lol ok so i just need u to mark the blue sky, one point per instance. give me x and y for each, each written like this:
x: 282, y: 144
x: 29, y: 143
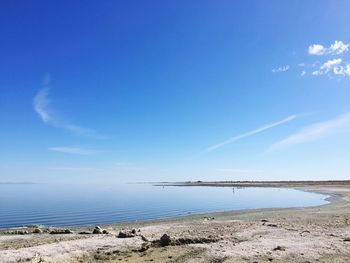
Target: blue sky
x: 174, y: 90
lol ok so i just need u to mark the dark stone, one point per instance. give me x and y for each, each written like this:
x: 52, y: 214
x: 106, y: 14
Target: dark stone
x: 85, y: 233
x: 279, y: 248
x: 144, y: 238
x: 124, y: 234
x: 272, y: 225
x: 21, y: 232
x: 165, y: 240
x: 97, y: 230
x: 37, y: 231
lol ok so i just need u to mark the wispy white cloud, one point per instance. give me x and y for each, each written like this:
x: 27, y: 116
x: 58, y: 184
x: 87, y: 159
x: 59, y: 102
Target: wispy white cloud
x: 303, y: 73
x: 73, y: 150
x: 327, y: 67
x: 315, y: 132
x: 250, y: 133
x: 334, y: 67
x: 337, y: 48
x: 280, y: 69
x: 343, y: 70
x: 42, y: 106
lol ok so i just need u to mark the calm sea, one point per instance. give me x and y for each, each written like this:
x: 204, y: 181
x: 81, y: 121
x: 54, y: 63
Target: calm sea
x: 68, y: 205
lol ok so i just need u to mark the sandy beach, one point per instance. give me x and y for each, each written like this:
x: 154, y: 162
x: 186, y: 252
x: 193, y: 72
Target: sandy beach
x: 314, y: 234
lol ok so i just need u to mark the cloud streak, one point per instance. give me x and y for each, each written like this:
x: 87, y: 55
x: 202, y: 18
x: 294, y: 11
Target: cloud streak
x: 72, y: 150
x: 315, y: 132
x: 42, y: 106
x: 248, y: 134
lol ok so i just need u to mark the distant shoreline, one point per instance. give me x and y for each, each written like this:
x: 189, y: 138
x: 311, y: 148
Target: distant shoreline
x: 17, y: 183
x: 337, y: 183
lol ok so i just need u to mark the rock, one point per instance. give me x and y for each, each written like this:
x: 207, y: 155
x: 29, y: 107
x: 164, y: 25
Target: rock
x: 165, y: 240
x: 61, y: 231
x: 105, y: 232
x: 272, y: 225
x: 347, y: 239
x: 97, y: 230
x: 279, y: 248
x: 144, y: 247
x: 21, y: 232
x: 144, y: 238
x: 195, y: 240
x: 37, y: 231
x: 68, y: 231
x: 85, y: 233
x: 264, y: 220
x: 125, y: 234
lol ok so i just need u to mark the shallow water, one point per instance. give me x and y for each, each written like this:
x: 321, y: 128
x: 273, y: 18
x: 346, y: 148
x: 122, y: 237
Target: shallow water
x: 68, y: 205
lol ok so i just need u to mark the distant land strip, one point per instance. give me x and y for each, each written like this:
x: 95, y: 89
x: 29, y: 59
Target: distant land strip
x: 17, y: 183
x: 337, y: 183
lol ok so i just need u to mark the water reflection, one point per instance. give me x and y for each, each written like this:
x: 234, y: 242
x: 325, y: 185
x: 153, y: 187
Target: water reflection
x: 59, y: 205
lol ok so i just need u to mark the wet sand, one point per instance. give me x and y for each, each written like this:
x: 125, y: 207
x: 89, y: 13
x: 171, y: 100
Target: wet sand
x: 314, y: 234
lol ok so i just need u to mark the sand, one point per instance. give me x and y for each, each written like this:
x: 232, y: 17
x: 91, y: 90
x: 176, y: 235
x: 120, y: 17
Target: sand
x: 314, y: 234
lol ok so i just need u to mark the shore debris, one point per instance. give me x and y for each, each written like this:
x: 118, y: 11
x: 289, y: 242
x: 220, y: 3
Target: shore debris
x: 166, y: 240
x: 127, y: 234
x: 61, y: 231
